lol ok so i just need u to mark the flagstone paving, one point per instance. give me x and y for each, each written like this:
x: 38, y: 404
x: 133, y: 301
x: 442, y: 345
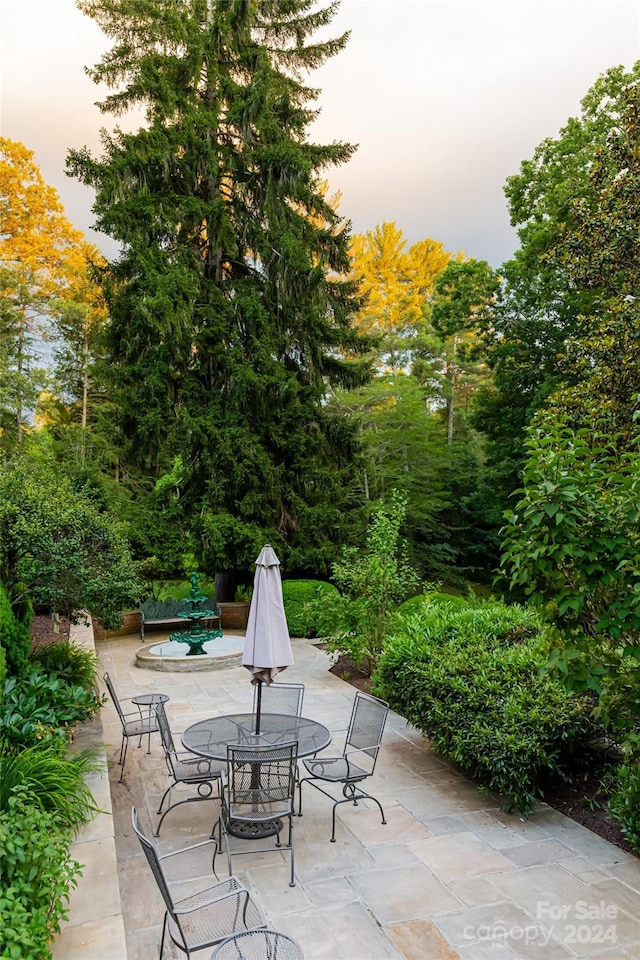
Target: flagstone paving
x: 450, y: 877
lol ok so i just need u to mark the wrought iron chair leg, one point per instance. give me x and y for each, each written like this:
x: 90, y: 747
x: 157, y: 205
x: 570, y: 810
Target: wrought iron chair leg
x: 125, y: 744
x: 164, y: 930
x: 164, y: 797
x: 292, y: 881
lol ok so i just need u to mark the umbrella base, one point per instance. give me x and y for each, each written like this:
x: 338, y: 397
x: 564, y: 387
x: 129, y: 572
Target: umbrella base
x: 250, y: 830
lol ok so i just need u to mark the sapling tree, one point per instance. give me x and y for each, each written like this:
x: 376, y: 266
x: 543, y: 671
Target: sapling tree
x: 372, y: 580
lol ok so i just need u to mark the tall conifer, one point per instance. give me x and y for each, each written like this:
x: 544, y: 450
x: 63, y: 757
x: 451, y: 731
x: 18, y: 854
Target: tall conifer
x: 230, y: 303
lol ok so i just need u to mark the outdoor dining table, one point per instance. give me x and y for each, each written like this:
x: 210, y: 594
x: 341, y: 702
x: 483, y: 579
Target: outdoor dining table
x: 210, y: 738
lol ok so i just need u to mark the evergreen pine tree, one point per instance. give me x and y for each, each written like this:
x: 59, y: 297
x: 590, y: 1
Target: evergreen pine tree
x: 230, y: 303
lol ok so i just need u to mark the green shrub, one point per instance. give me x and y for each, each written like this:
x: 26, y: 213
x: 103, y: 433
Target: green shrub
x: 52, y: 781
x: 15, y: 637
x: 180, y: 589
x: 40, y: 707
x: 373, y: 581
x: 3, y: 667
x: 470, y: 680
x: 429, y: 599
x: 624, y: 804
x: 304, y: 605
x: 69, y: 662
x: 38, y: 875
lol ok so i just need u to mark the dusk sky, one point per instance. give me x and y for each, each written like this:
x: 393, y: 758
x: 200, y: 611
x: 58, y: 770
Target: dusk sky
x: 444, y: 97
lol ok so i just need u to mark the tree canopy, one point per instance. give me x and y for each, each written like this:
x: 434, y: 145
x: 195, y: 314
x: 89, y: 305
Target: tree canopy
x: 230, y: 303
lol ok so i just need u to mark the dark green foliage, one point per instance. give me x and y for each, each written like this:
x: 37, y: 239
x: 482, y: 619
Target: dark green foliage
x: 545, y: 303
x: 37, y: 878
x: 229, y: 302
x: 624, y: 804
x: 572, y: 544
x: 15, y: 639
x: 303, y: 602
x: 69, y: 662
x: 41, y: 707
x: 59, y: 548
x: 469, y: 679
x: 180, y: 589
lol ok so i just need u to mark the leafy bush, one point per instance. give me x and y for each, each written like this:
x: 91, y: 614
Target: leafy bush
x: 55, y: 781
x: 470, y: 680
x: 59, y: 548
x: 372, y: 581
x: 304, y: 603
x: 180, y: 589
x: 15, y: 637
x: 572, y: 544
x: 69, y: 662
x: 37, y: 878
x: 624, y: 804
x: 430, y: 598
x: 40, y: 707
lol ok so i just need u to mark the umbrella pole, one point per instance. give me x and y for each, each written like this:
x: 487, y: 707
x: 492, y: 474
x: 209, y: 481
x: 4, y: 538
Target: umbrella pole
x: 258, y: 706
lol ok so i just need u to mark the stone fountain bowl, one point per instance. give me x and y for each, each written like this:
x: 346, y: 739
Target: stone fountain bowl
x: 172, y: 656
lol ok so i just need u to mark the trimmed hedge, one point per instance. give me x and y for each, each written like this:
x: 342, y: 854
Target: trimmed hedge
x: 471, y: 681
x: 15, y: 636
x: 624, y: 805
x: 301, y: 597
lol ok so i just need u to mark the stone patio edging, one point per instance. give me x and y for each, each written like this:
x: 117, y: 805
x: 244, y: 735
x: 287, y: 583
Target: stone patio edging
x: 94, y: 929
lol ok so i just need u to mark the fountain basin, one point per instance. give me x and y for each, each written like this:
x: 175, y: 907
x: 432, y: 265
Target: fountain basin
x: 173, y: 656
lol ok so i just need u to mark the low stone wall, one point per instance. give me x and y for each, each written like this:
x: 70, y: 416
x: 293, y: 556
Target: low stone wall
x: 94, y: 929
x: 233, y: 617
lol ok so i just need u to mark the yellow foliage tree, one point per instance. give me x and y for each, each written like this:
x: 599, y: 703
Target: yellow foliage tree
x: 43, y: 263
x: 396, y: 284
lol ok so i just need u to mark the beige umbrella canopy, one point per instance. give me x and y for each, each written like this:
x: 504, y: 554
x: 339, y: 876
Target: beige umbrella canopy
x: 267, y: 647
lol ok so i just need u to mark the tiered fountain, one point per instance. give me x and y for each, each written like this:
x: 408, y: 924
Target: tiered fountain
x: 208, y: 649
x: 197, y: 636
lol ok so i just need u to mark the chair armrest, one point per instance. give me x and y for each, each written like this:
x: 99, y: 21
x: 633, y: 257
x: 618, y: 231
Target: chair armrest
x: 193, y: 760
x: 194, y: 846
x: 360, y: 750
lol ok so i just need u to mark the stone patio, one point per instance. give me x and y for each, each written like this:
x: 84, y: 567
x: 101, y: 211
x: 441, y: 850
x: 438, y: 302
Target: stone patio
x: 450, y: 876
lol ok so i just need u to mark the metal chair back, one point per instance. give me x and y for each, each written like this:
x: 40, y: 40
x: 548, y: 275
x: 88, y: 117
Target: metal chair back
x: 153, y: 859
x: 166, y: 736
x: 261, y: 781
x: 114, y: 697
x: 283, y: 698
x: 366, y: 726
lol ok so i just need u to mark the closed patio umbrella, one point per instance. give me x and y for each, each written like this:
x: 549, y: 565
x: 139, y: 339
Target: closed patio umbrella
x: 267, y: 647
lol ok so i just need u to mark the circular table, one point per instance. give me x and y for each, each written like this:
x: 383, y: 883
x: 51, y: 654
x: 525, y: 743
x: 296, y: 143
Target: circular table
x: 210, y: 738
x: 150, y: 700
x: 256, y: 945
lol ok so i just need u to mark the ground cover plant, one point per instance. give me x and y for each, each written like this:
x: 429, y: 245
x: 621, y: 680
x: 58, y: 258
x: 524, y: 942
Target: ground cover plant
x: 470, y: 680
x: 44, y: 796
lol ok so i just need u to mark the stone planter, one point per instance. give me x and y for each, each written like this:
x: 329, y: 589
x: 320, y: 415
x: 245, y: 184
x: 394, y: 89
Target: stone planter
x: 234, y: 615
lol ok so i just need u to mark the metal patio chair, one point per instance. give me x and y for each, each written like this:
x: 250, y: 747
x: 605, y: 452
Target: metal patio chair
x: 358, y: 760
x: 201, y: 919
x: 186, y: 768
x: 280, y: 698
x: 258, y: 791
x: 135, y: 723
